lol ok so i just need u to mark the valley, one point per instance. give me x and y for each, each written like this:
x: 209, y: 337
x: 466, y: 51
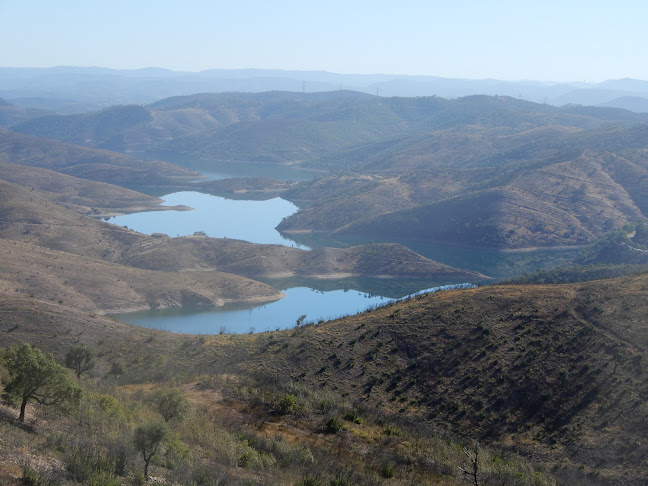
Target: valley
x: 353, y: 200
x: 520, y: 175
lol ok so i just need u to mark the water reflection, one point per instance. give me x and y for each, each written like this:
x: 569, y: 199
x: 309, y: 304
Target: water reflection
x: 496, y: 264
x: 316, y: 305
x: 390, y: 288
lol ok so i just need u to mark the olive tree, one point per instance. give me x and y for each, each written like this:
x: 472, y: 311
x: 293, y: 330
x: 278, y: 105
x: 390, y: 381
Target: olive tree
x: 148, y: 439
x: 79, y: 359
x: 116, y: 369
x: 37, y: 377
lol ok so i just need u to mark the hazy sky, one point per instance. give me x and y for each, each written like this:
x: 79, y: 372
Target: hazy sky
x: 566, y: 40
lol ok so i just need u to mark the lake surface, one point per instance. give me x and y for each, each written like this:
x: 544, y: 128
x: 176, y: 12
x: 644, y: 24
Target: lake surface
x: 315, y: 304
x: 226, y: 170
x: 253, y: 221
x: 241, y: 318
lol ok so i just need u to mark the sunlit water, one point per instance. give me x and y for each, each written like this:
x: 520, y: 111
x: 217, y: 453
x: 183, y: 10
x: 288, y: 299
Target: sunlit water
x: 252, y: 221
x: 282, y: 314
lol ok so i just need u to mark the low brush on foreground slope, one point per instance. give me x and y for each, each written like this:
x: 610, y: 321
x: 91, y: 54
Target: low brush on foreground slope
x: 232, y: 427
x: 553, y: 372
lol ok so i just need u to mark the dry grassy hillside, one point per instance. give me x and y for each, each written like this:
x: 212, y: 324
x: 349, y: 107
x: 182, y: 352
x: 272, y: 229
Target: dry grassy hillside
x: 556, y: 373
x: 92, y: 164
x: 30, y: 216
x: 27, y: 215
x: 561, y: 204
x: 98, y: 286
x: 97, y: 199
x: 276, y: 261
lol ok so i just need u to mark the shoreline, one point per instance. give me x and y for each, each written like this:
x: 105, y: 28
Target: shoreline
x: 114, y: 313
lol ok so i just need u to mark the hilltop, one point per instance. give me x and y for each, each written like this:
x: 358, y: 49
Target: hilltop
x: 288, y: 127
x: 10, y: 114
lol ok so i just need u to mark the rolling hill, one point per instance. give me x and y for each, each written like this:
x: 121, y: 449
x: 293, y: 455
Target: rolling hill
x: 35, y: 217
x: 282, y: 127
x: 10, y: 114
x: 541, y: 368
x: 70, y: 89
x: 398, y: 167
x: 565, y: 200
x: 97, y: 199
x: 92, y: 164
x: 100, y: 287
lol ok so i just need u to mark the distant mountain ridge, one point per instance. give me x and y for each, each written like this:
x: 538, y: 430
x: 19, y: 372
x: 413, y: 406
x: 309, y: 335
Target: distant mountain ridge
x: 68, y: 89
x: 632, y: 103
x: 282, y: 126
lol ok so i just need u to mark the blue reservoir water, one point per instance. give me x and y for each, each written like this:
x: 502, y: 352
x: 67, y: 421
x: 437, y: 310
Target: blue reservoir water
x: 253, y: 221
x: 316, y: 305
x: 240, y: 318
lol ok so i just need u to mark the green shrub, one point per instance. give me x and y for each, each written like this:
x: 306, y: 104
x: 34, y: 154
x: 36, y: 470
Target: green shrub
x: 392, y: 430
x: 120, y: 454
x: 332, y: 425
x: 139, y: 479
x: 288, y: 404
x: 342, y: 478
x: 202, y: 476
x: 387, y: 471
x: 171, y: 404
x: 31, y: 477
x: 83, y: 461
x: 309, y: 481
x: 245, y: 459
x: 102, y: 478
x: 353, y: 416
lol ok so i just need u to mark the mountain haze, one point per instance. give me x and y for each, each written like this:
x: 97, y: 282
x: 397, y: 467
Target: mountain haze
x: 68, y: 89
